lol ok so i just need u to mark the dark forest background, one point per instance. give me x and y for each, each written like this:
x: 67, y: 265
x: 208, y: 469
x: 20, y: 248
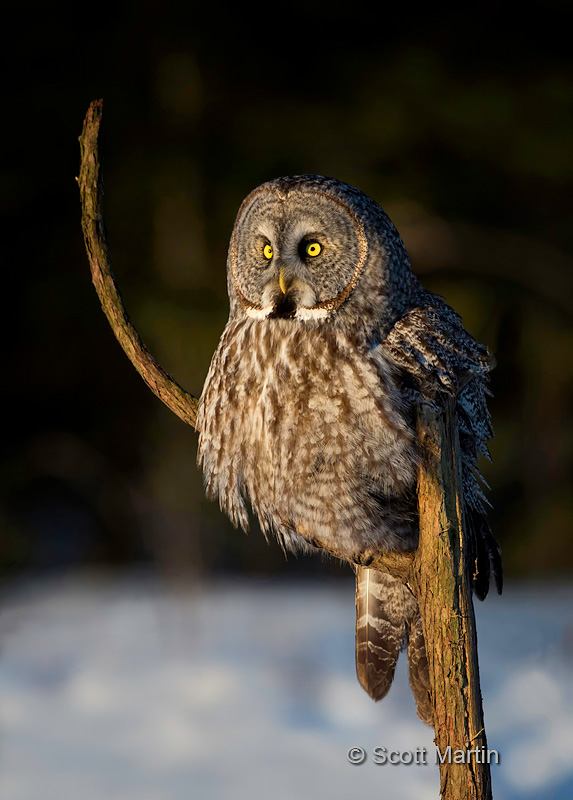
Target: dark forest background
x: 462, y: 128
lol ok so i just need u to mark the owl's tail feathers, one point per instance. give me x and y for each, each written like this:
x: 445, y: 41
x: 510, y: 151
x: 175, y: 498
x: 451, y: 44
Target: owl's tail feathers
x: 383, y: 607
x: 386, y: 615
x: 418, y: 669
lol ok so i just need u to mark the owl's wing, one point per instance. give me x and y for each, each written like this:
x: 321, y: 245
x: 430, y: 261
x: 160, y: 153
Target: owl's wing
x: 433, y: 347
x: 436, y: 356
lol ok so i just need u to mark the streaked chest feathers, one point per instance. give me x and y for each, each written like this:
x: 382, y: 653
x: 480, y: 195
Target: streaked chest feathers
x: 311, y: 430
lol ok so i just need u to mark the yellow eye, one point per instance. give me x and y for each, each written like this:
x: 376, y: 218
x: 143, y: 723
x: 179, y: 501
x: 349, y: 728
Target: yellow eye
x: 268, y: 251
x: 313, y: 249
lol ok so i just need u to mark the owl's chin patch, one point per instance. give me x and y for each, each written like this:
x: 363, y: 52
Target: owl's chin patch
x: 285, y: 308
x: 297, y: 312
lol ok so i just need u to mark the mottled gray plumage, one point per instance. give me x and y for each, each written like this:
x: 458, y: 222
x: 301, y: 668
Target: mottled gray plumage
x: 308, y: 410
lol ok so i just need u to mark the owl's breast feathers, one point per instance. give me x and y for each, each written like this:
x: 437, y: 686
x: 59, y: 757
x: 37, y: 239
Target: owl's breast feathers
x: 312, y: 430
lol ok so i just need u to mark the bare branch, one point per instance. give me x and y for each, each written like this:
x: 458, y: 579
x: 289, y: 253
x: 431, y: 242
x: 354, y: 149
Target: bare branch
x: 91, y: 193
x: 443, y: 590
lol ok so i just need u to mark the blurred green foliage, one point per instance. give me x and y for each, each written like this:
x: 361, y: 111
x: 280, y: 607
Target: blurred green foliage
x: 460, y: 129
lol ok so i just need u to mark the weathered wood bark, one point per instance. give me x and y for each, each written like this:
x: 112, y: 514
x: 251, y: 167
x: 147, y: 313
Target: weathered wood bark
x: 91, y: 194
x: 440, y: 579
x: 437, y: 572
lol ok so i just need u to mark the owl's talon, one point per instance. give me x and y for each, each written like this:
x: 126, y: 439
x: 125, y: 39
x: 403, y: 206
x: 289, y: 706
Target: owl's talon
x: 363, y: 559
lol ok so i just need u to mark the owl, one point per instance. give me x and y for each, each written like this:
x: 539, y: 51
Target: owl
x: 308, y: 411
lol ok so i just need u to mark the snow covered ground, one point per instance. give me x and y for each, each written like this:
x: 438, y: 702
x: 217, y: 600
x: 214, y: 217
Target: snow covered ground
x: 122, y: 689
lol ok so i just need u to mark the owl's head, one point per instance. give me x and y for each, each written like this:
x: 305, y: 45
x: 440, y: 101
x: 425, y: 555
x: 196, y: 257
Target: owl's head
x: 312, y: 249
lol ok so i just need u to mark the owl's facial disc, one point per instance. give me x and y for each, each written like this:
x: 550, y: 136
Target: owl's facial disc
x: 296, y: 255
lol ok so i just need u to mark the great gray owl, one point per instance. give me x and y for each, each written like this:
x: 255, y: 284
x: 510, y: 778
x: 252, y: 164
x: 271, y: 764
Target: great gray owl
x: 308, y: 410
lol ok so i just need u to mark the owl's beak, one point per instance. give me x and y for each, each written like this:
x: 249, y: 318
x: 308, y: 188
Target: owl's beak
x: 284, y: 303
